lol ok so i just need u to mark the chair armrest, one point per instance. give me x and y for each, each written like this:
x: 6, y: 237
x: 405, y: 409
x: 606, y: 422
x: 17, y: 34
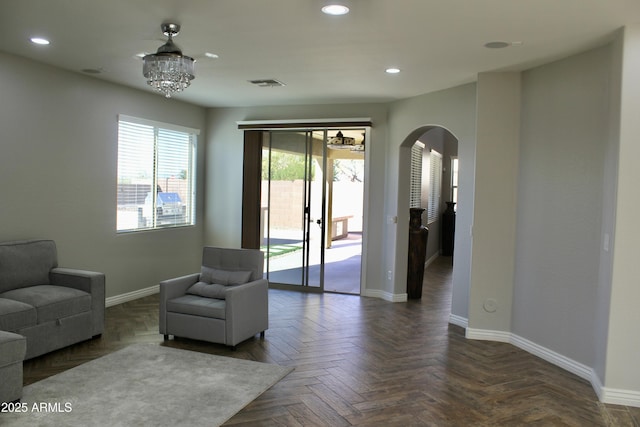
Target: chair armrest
x: 91, y: 282
x: 173, y: 288
x: 247, y: 310
x: 247, y: 292
x: 88, y: 281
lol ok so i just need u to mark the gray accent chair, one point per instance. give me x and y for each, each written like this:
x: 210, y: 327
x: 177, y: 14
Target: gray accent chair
x: 52, y: 307
x: 226, y: 303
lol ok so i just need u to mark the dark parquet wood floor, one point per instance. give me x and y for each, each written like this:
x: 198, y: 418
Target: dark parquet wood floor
x: 368, y: 362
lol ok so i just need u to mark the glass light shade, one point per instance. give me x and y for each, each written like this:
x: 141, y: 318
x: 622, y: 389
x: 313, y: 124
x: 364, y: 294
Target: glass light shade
x: 168, y: 73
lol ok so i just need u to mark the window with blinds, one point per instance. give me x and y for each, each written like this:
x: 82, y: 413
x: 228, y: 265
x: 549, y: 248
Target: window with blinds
x: 156, y: 175
x: 435, y: 186
x: 415, y: 196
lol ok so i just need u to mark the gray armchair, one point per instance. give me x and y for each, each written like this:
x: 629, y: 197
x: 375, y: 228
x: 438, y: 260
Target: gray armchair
x: 226, y: 303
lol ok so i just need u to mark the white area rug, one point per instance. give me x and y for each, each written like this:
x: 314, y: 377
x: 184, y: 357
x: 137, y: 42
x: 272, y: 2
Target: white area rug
x: 146, y: 385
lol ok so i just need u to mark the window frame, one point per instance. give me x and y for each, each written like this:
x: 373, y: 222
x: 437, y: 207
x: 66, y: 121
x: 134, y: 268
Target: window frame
x: 125, y: 223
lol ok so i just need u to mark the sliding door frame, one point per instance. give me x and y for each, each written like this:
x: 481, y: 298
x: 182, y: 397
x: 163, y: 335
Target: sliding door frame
x: 255, y: 134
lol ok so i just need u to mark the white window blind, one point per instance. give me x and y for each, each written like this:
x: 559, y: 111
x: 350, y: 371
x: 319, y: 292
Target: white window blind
x: 416, y: 175
x: 435, y: 186
x: 156, y: 175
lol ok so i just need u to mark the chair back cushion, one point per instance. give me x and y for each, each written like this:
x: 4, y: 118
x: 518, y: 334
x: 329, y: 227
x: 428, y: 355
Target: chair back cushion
x: 234, y: 260
x: 208, y: 290
x: 225, y: 277
x: 26, y: 263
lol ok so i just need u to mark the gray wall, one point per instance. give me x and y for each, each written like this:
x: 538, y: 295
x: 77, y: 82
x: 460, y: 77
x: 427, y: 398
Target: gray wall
x: 560, y: 202
x: 610, y: 172
x: 494, y: 218
x: 58, y: 141
x: 623, y: 340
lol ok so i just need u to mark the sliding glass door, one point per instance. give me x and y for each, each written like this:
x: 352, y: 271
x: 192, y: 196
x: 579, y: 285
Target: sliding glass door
x: 303, y: 199
x: 293, y: 206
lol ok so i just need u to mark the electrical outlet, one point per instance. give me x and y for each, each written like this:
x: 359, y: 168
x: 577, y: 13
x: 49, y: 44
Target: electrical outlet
x: 389, y: 275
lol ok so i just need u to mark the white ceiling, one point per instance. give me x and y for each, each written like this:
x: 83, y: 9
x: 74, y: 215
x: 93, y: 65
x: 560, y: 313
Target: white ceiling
x: 322, y: 59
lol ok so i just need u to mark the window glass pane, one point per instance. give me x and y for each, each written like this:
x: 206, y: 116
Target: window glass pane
x: 135, y: 172
x: 454, y: 172
x: 173, y: 172
x: 435, y: 186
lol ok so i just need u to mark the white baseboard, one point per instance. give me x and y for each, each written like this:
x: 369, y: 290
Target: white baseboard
x: 130, y: 296
x: 615, y: 396
x: 577, y: 368
x: 619, y: 397
x: 606, y: 395
x: 463, y: 322
x: 430, y: 260
x: 387, y: 296
x: 530, y: 347
x: 486, y: 335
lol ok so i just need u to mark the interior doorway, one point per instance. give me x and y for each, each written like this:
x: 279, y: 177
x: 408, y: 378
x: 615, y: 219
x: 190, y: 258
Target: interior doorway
x: 433, y: 179
x: 311, y: 200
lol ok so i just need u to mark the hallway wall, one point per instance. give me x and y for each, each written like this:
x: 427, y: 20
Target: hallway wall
x: 565, y: 126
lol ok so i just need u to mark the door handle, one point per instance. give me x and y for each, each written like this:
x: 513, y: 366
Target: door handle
x: 319, y: 222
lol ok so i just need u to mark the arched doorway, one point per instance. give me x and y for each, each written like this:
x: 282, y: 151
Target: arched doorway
x: 438, y: 183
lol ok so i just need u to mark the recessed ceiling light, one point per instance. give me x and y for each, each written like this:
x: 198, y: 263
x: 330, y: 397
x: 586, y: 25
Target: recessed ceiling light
x: 335, y: 9
x: 392, y: 70
x: 39, y: 40
x: 211, y: 55
x: 497, y: 45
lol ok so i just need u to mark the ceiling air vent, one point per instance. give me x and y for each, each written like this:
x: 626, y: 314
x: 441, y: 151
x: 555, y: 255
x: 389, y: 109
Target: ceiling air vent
x: 267, y: 82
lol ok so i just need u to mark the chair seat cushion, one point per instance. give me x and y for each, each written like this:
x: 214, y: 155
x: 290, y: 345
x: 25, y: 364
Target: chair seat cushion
x: 197, y: 306
x: 16, y: 315
x: 52, y: 302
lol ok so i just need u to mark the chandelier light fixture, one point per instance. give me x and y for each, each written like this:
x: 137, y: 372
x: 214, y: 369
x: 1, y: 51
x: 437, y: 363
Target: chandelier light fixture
x: 169, y: 71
